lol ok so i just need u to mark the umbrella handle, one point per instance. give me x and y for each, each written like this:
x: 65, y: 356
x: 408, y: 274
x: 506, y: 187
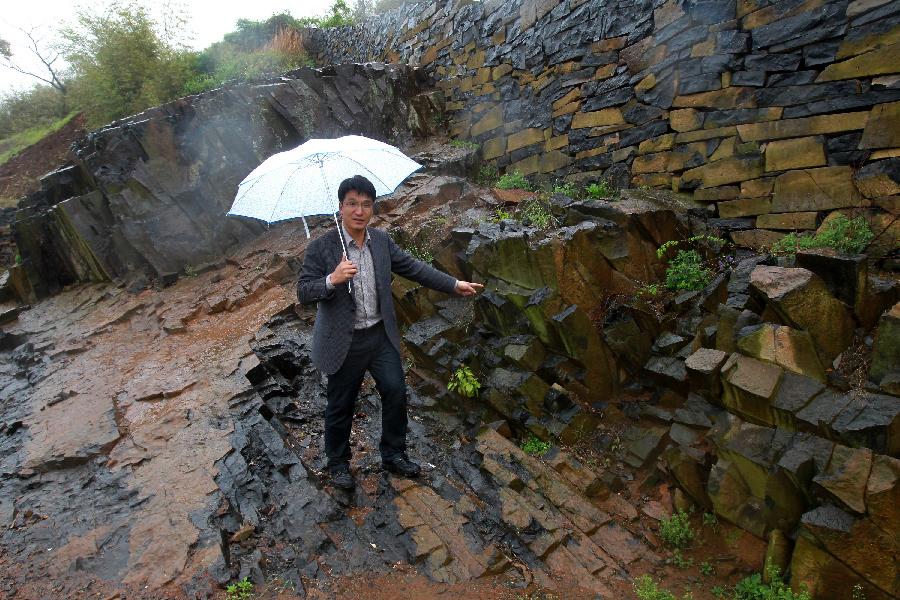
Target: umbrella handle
x: 344, y: 248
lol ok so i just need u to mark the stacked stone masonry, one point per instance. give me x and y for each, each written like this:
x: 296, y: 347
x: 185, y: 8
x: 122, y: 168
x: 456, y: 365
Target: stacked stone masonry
x: 766, y: 108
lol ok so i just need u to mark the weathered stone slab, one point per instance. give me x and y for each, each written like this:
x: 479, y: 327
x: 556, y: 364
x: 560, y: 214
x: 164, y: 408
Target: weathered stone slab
x: 794, y: 393
x: 825, y: 188
x: 749, y: 385
x: 883, y: 127
x: 802, y: 299
x: 795, y: 220
x: 887, y: 346
x: 744, y: 207
x: 787, y: 347
x: 703, y: 367
x: 845, y: 275
x: 880, y: 178
x: 845, y: 477
x: 798, y: 153
x: 725, y: 171
x: 877, y: 62
x: 806, y: 126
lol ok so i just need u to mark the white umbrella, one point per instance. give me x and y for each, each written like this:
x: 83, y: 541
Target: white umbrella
x: 303, y: 182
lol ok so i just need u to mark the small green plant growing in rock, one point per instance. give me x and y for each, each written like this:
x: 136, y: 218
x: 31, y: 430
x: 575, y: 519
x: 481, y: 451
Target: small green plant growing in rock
x: 850, y: 236
x: 419, y: 252
x: 190, y: 271
x: 464, y: 144
x: 732, y: 537
x: 566, y: 189
x: 857, y: 593
x: 18, y: 258
x: 536, y: 213
x: 676, y: 531
x: 535, y: 446
x: 487, y: 174
x: 514, y: 180
x: 464, y: 382
x: 680, y: 560
x: 706, y: 569
x: 753, y: 588
x: 240, y: 590
x: 599, y: 189
x: 719, y: 591
x: 710, y: 520
x: 647, y: 589
x: 687, y: 270
x: 501, y: 214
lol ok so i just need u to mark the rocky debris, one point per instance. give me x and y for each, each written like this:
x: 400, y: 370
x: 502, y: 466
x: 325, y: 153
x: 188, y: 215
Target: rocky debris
x: 884, y: 367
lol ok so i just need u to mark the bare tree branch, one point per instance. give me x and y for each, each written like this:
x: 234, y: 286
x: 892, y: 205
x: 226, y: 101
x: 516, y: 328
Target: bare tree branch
x: 48, y: 58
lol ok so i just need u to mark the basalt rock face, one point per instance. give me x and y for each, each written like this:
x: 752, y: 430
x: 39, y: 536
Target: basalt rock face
x: 146, y: 196
x: 766, y: 110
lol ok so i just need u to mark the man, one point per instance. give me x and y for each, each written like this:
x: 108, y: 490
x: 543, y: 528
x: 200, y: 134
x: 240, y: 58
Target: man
x: 357, y: 332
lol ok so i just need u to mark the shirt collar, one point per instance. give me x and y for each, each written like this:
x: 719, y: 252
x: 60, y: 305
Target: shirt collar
x: 349, y: 239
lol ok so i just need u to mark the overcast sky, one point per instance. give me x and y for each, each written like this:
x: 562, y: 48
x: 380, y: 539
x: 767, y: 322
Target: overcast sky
x: 209, y: 21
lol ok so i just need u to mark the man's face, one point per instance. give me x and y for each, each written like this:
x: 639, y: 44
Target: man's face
x: 356, y: 211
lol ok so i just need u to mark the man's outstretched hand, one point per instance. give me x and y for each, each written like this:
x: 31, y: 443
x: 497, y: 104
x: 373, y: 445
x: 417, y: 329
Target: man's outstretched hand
x: 467, y: 288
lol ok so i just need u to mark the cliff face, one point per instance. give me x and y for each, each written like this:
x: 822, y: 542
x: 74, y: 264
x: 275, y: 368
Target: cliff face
x: 146, y: 197
x: 765, y: 109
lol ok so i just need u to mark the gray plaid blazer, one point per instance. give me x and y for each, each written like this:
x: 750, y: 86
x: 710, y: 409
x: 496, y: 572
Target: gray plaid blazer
x: 336, y: 310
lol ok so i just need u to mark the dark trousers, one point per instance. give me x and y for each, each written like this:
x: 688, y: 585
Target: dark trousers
x: 372, y: 351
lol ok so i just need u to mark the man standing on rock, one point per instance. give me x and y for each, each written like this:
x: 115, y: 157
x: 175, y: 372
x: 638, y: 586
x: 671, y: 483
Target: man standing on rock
x: 356, y: 332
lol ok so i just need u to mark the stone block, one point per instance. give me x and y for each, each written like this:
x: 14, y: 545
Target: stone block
x: 844, y: 479
x: 729, y: 170
x: 794, y: 393
x: 657, y: 144
x: 703, y: 368
x: 825, y: 188
x: 846, y: 275
x: 886, y: 347
x: 668, y: 372
x: 805, y: 126
x: 490, y: 121
x: 880, y: 61
x: 598, y: 118
x: 798, y: 153
x: 757, y: 188
x: 731, y: 97
x: 870, y: 420
x: 493, y: 148
x: 650, y: 163
x: 756, y: 238
x: 523, y: 138
x: 880, y: 178
x: 802, y: 299
x: 883, y: 127
x: 824, y: 576
x: 686, y: 119
x: 883, y: 493
x: 712, y: 194
x: 744, y: 207
x: 784, y: 346
x: 748, y: 387
x: 797, y: 220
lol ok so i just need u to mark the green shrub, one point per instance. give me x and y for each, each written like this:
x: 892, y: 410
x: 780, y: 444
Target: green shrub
x: 514, y: 180
x: 851, y: 236
x: 566, y: 189
x: 487, y: 174
x: 687, y: 272
x: 676, y: 531
x: 753, y: 588
x: 464, y: 144
x: 240, y: 590
x: 536, y: 213
x: 464, y: 382
x: 599, y: 189
x: 647, y: 589
x: 706, y: 569
x: 535, y: 446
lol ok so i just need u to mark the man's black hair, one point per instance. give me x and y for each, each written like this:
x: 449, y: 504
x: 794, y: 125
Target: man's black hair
x: 358, y: 184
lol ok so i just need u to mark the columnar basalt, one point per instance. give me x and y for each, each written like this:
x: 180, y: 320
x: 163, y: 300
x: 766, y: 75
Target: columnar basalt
x: 766, y: 109
x: 146, y: 197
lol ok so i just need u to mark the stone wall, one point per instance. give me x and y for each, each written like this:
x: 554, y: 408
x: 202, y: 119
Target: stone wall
x: 766, y: 108
x: 146, y: 197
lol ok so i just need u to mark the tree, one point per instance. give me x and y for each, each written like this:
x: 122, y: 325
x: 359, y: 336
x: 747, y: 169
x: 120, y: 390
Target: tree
x: 123, y: 62
x: 45, y: 54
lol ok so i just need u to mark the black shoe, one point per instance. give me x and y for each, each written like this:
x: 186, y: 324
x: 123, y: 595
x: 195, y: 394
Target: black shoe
x: 341, y: 478
x: 401, y: 465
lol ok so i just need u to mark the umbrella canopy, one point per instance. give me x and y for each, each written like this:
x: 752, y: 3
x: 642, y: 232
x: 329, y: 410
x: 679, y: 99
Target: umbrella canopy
x: 303, y: 182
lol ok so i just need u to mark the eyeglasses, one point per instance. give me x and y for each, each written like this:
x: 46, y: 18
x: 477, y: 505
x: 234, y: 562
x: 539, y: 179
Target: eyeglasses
x: 358, y: 205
